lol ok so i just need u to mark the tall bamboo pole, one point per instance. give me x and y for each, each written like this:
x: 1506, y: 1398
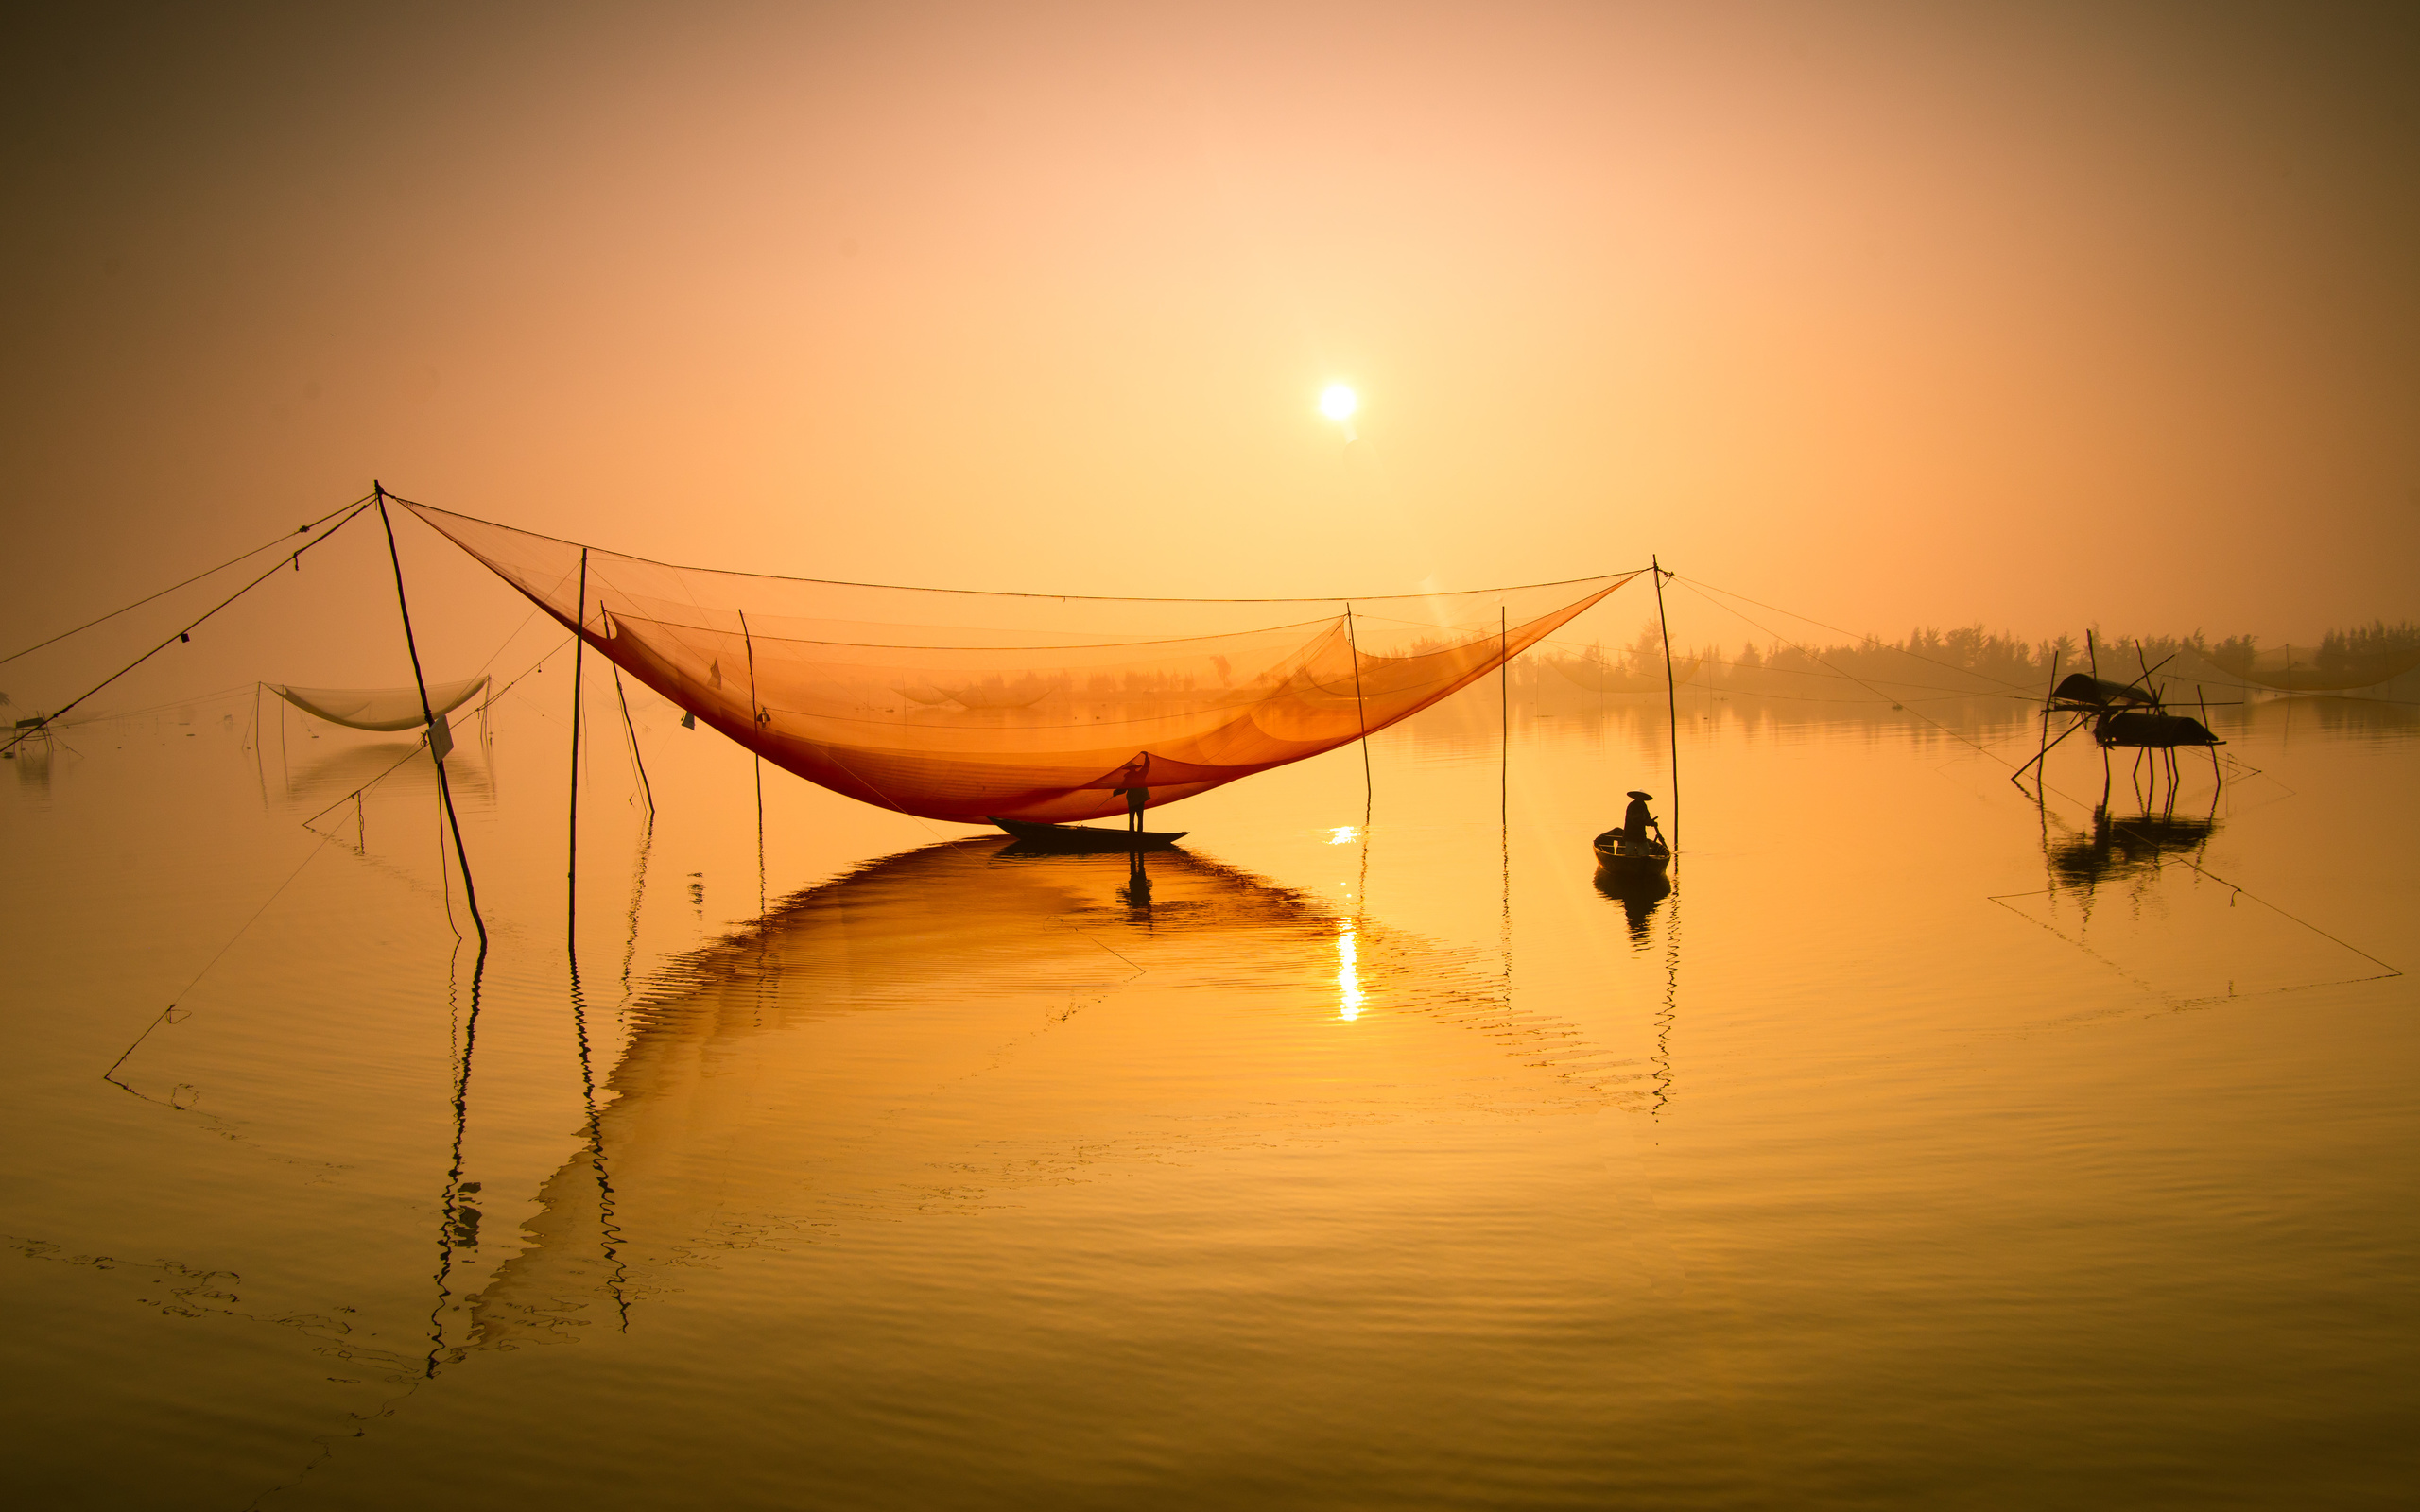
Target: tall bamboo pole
x: 428, y: 718
x: 1354, y: 644
x: 579, y: 646
x: 1671, y: 700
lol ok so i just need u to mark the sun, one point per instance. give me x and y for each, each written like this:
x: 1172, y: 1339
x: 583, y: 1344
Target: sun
x: 1338, y: 402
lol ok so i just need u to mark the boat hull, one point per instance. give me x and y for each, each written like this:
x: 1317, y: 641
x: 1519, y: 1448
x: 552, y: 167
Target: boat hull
x: 1617, y: 857
x: 1081, y: 839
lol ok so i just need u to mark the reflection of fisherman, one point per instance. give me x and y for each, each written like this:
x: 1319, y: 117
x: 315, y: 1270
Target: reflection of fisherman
x: 1131, y: 774
x: 1636, y: 820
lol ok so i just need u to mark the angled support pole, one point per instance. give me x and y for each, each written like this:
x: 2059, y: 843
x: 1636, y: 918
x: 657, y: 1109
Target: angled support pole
x: 1672, y: 699
x: 2082, y: 720
x: 428, y: 718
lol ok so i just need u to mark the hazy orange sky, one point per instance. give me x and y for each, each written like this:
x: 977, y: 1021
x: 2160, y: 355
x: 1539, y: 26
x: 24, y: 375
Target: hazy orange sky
x: 2035, y: 314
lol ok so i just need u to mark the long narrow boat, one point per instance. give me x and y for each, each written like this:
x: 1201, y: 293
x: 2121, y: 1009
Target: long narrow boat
x: 1085, y: 837
x: 1619, y: 856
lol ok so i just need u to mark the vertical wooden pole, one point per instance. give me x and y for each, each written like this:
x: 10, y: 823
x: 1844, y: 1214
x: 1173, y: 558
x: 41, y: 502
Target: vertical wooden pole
x: 1671, y: 700
x: 578, y: 647
x: 1361, y: 713
x: 755, y: 730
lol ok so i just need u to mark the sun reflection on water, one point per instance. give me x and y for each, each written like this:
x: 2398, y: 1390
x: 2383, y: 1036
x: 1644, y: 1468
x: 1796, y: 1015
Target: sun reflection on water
x: 1348, y: 972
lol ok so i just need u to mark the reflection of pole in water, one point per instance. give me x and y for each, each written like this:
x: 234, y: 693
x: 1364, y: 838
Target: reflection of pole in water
x: 638, y: 891
x: 1504, y: 802
x: 608, y: 1236
x: 1664, y: 1020
x: 458, y: 1219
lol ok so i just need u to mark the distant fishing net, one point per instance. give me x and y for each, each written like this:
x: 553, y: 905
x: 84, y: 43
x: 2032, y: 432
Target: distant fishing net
x: 2341, y: 662
x: 963, y: 706
x: 381, y: 708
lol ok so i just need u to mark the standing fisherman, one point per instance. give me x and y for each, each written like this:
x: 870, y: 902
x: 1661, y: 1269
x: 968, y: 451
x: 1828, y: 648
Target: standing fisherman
x: 1132, y: 774
x: 1636, y: 820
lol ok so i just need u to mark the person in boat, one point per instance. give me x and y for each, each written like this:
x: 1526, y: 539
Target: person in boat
x: 1636, y: 820
x: 1136, y: 794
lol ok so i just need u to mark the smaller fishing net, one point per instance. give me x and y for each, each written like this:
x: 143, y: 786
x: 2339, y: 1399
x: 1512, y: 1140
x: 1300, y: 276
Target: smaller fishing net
x: 380, y: 708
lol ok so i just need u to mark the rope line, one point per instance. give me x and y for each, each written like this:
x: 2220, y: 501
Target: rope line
x: 2115, y: 824
x: 111, y: 1075
x: 1692, y: 586
x: 993, y: 593
x: 1697, y: 582
x: 46, y: 720
x: 187, y: 583
x: 365, y: 787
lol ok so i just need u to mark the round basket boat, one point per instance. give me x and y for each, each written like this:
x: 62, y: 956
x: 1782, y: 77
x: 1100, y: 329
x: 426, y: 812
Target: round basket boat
x: 1620, y: 856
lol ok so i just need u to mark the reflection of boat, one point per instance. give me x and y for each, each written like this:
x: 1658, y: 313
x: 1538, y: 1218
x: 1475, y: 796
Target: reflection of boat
x: 1084, y: 838
x: 1638, y: 893
x: 1620, y: 856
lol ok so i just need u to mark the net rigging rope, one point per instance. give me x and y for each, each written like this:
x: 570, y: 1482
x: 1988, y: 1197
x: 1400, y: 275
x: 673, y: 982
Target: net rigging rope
x: 1702, y: 584
x: 959, y: 705
x: 2115, y: 824
x: 46, y: 721
x: 231, y: 561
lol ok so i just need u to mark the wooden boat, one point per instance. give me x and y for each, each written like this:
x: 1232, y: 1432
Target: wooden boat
x: 1080, y: 838
x: 1619, y: 856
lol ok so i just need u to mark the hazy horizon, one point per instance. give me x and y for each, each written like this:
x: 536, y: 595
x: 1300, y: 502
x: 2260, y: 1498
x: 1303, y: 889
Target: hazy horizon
x: 2028, y: 317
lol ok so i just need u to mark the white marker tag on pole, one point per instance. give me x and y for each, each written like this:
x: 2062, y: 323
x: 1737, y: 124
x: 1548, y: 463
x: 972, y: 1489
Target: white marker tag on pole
x: 440, y: 738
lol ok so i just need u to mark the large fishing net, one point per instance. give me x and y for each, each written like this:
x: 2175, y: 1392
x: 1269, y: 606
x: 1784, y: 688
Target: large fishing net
x: 967, y: 706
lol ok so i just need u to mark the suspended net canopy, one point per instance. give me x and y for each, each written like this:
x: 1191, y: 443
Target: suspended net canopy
x: 967, y: 706
x: 380, y: 708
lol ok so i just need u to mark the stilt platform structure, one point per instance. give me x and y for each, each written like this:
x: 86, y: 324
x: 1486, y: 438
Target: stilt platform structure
x: 2121, y: 715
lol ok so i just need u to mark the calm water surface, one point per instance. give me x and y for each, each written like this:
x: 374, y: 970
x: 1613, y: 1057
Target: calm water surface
x: 1923, y: 1147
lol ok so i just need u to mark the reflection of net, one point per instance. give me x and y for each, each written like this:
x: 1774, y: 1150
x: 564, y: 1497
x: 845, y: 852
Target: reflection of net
x: 964, y: 705
x: 820, y: 1067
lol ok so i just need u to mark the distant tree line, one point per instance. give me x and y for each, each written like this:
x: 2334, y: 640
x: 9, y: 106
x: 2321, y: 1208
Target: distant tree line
x: 1967, y: 660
